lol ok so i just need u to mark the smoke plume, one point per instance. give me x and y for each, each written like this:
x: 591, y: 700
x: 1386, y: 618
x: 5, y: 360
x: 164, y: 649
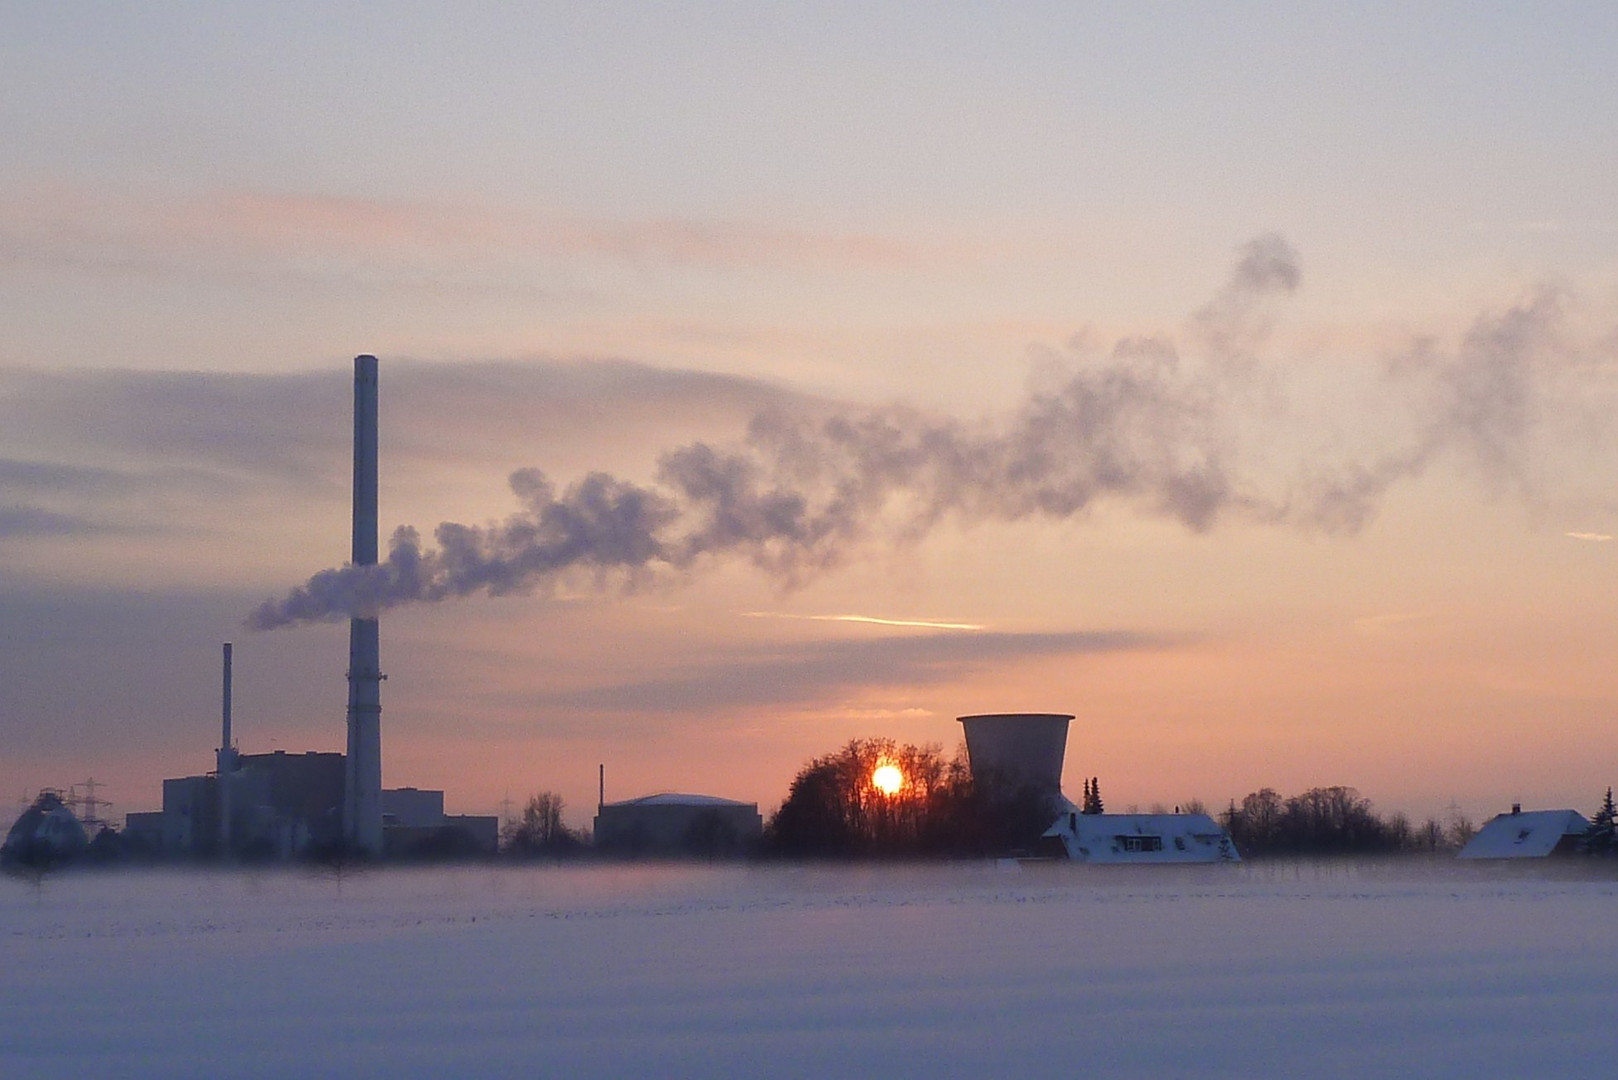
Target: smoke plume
x: 797, y: 496
x: 1481, y: 405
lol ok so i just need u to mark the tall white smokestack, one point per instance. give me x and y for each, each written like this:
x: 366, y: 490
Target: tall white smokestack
x: 227, y: 760
x: 362, y: 789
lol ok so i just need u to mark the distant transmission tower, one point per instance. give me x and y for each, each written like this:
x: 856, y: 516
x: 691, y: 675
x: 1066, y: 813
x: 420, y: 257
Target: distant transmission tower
x: 90, y: 815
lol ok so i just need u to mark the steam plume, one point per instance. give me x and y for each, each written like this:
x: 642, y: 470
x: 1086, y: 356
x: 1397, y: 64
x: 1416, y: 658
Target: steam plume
x: 797, y: 496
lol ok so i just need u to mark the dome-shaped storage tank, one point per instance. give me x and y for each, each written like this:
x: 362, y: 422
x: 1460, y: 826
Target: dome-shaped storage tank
x: 1017, y: 753
x: 47, y: 833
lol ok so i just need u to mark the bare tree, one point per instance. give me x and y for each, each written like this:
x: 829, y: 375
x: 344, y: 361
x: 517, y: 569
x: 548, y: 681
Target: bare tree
x: 539, y: 829
x: 1401, y: 835
x: 1431, y: 836
x: 1460, y: 830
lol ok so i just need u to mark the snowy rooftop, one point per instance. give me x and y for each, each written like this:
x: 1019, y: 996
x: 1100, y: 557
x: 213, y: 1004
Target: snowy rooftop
x: 1144, y: 838
x: 1531, y: 835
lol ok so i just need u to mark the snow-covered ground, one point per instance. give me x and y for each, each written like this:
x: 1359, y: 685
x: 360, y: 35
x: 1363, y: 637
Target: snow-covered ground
x: 966, y: 971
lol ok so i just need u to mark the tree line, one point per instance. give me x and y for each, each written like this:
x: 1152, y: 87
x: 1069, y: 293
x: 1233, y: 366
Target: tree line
x: 834, y: 809
x: 1340, y: 821
x: 1334, y: 821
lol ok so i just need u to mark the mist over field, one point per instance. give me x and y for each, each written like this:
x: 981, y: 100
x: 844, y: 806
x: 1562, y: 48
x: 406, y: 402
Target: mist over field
x: 1282, y: 969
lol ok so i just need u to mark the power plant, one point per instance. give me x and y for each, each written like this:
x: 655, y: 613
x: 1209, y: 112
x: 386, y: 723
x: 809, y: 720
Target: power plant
x: 279, y: 805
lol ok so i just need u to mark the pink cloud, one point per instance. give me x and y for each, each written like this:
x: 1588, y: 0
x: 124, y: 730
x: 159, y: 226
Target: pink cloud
x: 71, y: 226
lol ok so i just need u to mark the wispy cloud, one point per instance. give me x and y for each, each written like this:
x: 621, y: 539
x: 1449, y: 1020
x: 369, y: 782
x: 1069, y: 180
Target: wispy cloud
x: 313, y: 237
x: 90, y: 432
x: 1542, y: 227
x: 825, y: 671
x: 21, y: 521
x: 926, y: 624
x: 1599, y: 538
x: 22, y: 475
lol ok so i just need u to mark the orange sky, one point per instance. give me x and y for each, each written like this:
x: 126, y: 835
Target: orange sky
x: 1313, y: 308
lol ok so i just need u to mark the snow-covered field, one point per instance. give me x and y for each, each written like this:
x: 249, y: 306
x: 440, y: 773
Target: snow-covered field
x: 964, y: 971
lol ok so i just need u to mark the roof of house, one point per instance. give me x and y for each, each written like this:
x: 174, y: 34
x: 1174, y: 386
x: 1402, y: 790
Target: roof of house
x: 1531, y: 834
x: 1143, y: 838
x: 674, y: 798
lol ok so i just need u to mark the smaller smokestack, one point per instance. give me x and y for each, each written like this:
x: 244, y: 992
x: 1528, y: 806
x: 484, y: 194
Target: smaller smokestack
x: 224, y: 735
x: 601, y: 785
x: 226, y: 759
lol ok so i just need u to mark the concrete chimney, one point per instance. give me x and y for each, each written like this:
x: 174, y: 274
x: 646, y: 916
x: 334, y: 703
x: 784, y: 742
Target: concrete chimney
x: 226, y: 760
x: 362, y: 789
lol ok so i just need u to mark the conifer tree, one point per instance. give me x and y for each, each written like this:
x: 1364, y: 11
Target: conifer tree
x: 1602, y: 836
x: 1092, y: 797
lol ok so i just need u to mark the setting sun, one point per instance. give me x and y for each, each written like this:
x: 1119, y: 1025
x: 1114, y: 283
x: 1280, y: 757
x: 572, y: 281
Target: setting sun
x: 888, y: 779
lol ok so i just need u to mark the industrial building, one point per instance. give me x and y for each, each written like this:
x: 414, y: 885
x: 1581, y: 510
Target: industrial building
x: 1020, y: 755
x: 414, y: 825
x: 674, y: 825
x: 284, y: 806
x: 278, y: 805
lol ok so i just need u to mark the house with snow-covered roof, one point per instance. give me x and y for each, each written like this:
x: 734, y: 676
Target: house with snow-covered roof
x: 1534, y: 834
x: 1139, y: 838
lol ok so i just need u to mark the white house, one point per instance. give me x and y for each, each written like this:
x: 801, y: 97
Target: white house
x: 1531, y: 835
x: 1140, y: 838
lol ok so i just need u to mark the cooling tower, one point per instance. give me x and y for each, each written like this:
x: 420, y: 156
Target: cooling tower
x: 1013, y: 753
x: 362, y: 769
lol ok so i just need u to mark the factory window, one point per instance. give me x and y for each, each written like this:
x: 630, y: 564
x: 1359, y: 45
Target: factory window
x: 1141, y: 843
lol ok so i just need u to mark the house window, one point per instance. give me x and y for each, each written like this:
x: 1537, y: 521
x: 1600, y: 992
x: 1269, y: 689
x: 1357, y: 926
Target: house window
x: 1179, y: 843
x: 1141, y: 843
